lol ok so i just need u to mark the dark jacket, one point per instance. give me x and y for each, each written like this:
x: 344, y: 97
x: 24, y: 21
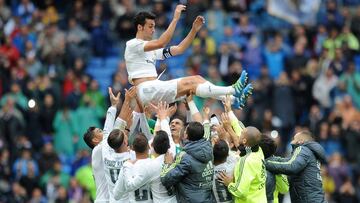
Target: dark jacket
x: 192, y: 172
x: 270, y: 186
x: 303, y: 168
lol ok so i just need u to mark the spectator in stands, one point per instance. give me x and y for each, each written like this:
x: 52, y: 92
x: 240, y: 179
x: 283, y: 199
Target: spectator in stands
x: 48, y: 157
x: 322, y: 88
x: 77, y: 40
x: 352, y: 138
x: 9, y: 51
x: 65, y: 131
x: 274, y: 56
x: 217, y: 19
x: 124, y: 24
x: 53, y: 179
x: 24, y: 10
x: 47, y: 115
x: 5, y: 12
x: 206, y: 42
x: 22, y: 37
x: 283, y: 109
x: 349, y: 81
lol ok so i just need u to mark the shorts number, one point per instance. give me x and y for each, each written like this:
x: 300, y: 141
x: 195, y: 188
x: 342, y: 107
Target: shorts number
x: 142, y: 194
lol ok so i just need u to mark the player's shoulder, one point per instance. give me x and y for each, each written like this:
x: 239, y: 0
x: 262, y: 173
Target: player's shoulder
x: 97, y: 149
x: 134, y: 42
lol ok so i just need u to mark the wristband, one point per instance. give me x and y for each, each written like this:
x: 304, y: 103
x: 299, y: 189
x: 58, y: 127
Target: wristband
x: 193, y: 108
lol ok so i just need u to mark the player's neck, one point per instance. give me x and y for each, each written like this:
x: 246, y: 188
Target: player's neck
x: 156, y: 154
x: 218, y: 162
x: 142, y: 155
x: 122, y: 149
x: 140, y: 36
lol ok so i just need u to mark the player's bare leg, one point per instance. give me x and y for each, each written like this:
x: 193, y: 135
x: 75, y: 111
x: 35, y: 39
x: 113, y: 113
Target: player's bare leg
x: 199, y: 86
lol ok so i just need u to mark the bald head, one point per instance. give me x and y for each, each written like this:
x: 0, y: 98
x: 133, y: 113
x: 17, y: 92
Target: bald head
x: 252, y: 136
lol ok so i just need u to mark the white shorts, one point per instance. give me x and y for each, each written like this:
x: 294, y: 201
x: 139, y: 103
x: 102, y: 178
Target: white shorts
x: 156, y: 90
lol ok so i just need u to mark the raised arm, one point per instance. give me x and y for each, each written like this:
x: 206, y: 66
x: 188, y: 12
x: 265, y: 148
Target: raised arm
x: 162, y: 121
x: 144, y: 126
x: 165, y: 38
x: 164, y: 112
x: 206, y: 123
x: 195, y: 114
x: 186, y: 42
x: 111, y: 113
x: 125, y: 117
x: 235, y: 123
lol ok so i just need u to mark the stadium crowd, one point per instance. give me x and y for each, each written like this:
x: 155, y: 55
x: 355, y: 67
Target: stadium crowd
x: 305, y: 77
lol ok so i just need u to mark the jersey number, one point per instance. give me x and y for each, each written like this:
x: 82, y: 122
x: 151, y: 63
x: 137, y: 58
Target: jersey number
x: 114, y: 174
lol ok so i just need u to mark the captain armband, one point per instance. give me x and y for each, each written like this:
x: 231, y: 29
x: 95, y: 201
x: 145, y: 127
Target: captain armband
x: 167, y: 53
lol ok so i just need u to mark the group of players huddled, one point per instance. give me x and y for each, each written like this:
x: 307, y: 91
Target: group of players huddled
x: 202, y: 159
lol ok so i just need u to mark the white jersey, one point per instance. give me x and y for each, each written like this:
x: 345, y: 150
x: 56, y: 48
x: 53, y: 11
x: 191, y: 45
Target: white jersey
x: 140, y: 64
x: 142, y: 181
x: 159, y: 192
x: 102, y: 192
x: 220, y: 191
x: 113, y: 164
x: 112, y: 161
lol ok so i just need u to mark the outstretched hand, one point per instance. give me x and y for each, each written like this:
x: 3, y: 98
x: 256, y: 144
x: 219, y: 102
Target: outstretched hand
x: 114, y: 100
x: 163, y: 110
x: 227, y: 103
x: 206, y: 112
x: 130, y: 94
x: 225, y: 120
x: 198, y: 23
x: 179, y: 8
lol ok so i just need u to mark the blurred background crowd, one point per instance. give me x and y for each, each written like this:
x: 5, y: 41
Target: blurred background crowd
x: 57, y: 57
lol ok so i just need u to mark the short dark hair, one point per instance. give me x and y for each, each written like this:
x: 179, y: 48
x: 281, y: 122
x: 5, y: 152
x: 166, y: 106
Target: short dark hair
x: 116, y: 139
x: 195, y: 131
x: 267, y: 145
x: 140, y: 18
x: 220, y: 151
x: 161, y: 142
x: 181, y: 118
x: 88, y: 136
x: 141, y: 143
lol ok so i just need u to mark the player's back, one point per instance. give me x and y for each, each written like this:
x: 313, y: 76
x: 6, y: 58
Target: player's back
x: 159, y: 192
x: 142, y: 194
x: 220, y: 190
x: 113, y: 163
x: 102, y: 193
